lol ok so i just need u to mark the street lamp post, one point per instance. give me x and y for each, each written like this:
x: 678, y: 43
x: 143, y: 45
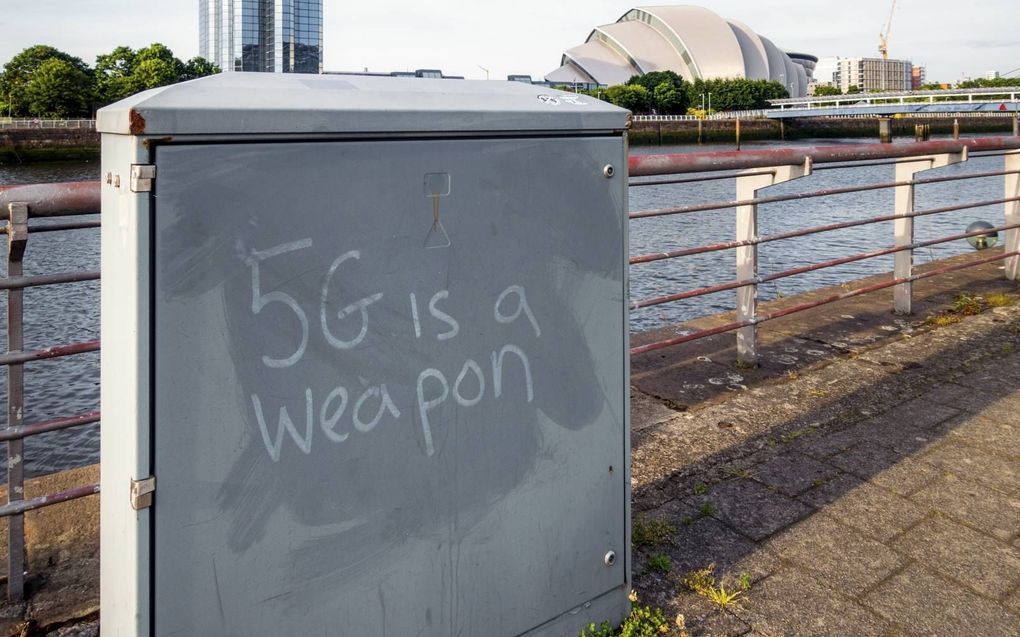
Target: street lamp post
x: 484, y: 69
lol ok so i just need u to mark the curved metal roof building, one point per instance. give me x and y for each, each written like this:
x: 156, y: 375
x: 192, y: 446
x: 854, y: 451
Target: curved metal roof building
x: 692, y: 41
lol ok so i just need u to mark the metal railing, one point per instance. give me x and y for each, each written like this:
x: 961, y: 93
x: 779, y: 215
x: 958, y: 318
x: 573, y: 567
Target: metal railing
x: 19, y: 204
x: 7, y: 122
x: 954, y: 96
x: 746, y: 114
x: 753, y: 172
x: 757, y: 170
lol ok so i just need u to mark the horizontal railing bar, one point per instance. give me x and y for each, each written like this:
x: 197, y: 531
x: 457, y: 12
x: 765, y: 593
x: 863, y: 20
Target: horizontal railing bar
x: 24, y: 431
x: 828, y: 192
x: 694, y: 180
x: 729, y: 245
x: 649, y: 165
x: 690, y: 294
x: 894, y: 162
x: 21, y: 282
x: 730, y: 285
x: 57, y: 227
x: 14, y: 358
x: 21, y: 506
x: 53, y: 200
x: 729, y: 327
x: 881, y: 253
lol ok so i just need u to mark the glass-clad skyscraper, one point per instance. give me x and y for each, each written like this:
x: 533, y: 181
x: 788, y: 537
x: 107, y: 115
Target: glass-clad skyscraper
x: 262, y: 35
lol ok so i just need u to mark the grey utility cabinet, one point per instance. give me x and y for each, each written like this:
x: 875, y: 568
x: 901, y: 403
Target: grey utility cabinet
x: 364, y: 359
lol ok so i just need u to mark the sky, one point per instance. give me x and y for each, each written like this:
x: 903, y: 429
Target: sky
x: 466, y: 37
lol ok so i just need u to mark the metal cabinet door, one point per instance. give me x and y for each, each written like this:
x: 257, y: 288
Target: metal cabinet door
x: 389, y: 385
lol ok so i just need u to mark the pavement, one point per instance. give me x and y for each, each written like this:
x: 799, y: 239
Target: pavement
x: 863, y: 480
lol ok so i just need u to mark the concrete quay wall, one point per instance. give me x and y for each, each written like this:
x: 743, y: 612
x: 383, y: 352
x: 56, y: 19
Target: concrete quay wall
x: 19, y: 145
x: 720, y: 131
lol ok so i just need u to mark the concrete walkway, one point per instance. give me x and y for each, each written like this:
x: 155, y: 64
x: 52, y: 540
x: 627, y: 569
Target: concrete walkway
x: 865, y: 481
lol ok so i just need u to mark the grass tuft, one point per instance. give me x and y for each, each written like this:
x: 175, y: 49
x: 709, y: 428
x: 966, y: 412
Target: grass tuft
x: 660, y: 563
x: 703, y: 583
x: 649, y: 532
x: 942, y: 320
x: 999, y: 299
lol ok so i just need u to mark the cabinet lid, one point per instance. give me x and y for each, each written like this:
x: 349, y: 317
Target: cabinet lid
x: 277, y: 103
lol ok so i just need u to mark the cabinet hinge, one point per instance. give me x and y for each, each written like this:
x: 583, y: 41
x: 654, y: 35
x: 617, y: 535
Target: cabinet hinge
x: 141, y: 492
x: 142, y: 176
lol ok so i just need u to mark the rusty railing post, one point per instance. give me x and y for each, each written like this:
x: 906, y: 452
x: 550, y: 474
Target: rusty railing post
x: 1012, y: 213
x: 747, y: 255
x: 17, y: 239
x: 903, y: 226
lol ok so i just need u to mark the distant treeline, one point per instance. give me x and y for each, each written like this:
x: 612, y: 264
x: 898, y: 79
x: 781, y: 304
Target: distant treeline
x: 666, y: 93
x: 42, y: 81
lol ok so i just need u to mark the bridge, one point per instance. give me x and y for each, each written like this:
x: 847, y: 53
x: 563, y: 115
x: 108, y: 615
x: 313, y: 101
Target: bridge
x: 974, y: 102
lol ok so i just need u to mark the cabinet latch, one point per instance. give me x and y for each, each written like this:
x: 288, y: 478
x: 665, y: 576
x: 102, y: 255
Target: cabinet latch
x: 142, y: 176
x: 141, y: 493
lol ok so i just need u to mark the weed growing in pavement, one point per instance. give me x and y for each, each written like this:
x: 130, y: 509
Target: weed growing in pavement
x: 942, y: 320
x: 740, y: 473
x: 648, y: 532
x: 700, y: 489
x: 698, y: 581
x: 967, y: 305
x: 707, y: 509
x: 722, y: 598
x: 703, y: 583
x: 999, y: 299
x: 643, y: 621
x: 745, y: 581
x: 660, y: 563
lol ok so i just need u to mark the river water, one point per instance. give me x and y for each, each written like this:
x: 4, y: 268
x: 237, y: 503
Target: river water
x: 70, y: 313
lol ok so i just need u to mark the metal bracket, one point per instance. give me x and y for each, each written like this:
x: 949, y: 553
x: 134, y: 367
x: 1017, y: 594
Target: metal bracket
x: 17, y: 230
x: 141, y: 493
x: 142, y: 176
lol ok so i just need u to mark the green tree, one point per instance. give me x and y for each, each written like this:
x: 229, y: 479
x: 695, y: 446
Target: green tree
x: 632, y: 97
x: 113, y: 73
x: 59, y: 89
x: 18, y: 72
x: 674, y: 95
x: 736, y: 94
x: 853, y: 90
x: 198, y: 67
x: 668, y: 100
x: 124, y: 71
x: 825, y: 90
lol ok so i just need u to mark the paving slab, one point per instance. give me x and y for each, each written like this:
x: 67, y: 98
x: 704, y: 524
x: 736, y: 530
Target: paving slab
x: 977, y: 465
x: 873, y: 510
x: 974, y: 504
x: 992, y: 435
x: 793, y: 604
x: 793, y: 473
x: 986, y: 565
x: 750, y: 508
x: 836, y: 554
x: 926, y: 604
x: 647, y: 411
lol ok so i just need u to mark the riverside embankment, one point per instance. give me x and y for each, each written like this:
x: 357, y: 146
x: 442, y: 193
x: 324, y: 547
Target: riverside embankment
x: 19, y: 145
x: 861, y: 481
x: 723, y: 131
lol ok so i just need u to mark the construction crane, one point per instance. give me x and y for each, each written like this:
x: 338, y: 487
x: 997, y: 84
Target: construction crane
x: 883, y: 38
